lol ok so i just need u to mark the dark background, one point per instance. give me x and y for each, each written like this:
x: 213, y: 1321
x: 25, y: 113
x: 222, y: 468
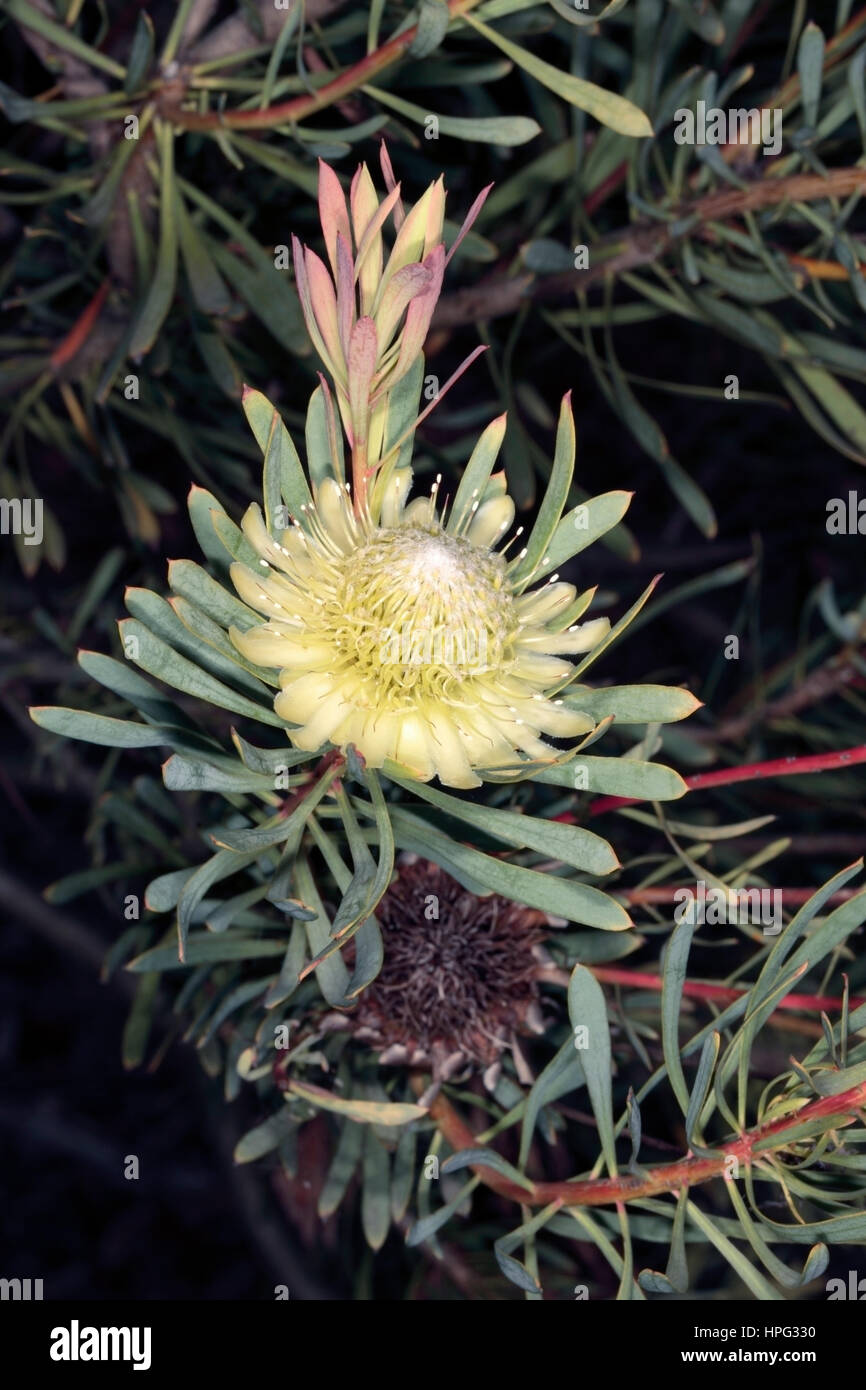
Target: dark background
x: 193, y: 1226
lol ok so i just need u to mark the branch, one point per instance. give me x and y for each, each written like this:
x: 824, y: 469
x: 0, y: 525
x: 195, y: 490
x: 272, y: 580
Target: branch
x: 697, y: 989
x: 818, y: 686
x: 641, y: 244
x: 670, y: 1177
x: 751, y: 772
x: 284, y: 113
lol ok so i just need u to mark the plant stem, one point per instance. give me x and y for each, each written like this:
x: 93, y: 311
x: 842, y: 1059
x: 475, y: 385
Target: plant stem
x: 836, y: 674
x: 642, y: 244
x: 751, y: 772
x: 334, y: 760
x: 284, y: 113
x: 670, y: 1177
x: 81, y: 329
x: 697, y: 989
x: 359, y: 477
x: 793, y: 897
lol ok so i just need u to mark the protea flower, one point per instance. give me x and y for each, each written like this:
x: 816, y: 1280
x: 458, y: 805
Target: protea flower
x: 407, y: 633
x: 398, y: 626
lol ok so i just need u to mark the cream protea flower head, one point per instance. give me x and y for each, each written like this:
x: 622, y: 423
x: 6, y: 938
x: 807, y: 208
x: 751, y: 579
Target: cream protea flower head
x: 401, y: 627
x: 407, y: 632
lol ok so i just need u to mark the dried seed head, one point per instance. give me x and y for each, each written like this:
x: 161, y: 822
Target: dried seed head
x: 459, y: 975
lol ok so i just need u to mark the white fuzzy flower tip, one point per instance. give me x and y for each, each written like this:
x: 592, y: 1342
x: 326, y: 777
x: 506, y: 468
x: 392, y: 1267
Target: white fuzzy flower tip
x: 408, y: 639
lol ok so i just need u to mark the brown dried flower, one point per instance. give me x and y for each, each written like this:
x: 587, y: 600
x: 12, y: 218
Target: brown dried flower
x: 459, y: 979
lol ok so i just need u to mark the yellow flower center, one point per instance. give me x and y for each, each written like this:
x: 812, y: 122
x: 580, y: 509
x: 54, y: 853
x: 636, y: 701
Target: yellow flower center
x: 418, y: 612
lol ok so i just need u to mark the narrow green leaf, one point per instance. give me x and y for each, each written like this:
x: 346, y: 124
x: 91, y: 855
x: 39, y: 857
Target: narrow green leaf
x: 280, y: 828
x: 220, y: 865
x: 161, y: 293
x: 97, y: 728
x: 633, y: 704
x: 476, y: 474
x: 839, y: 405
x: 403, y: 1173
x: 264, y: 418
x: 140, y: 1020
x: 206, y: 950
x: 577, y: 902
x: 608, y: 108
x: 290, y: 24
x: 71, y: 886
x: 536, y: 561
x: 375, y: 1190
x: 626, y: 777
x: 29, y: 17
x: 834, y: 1082
x: 140, y: 53
x: 810, y: 64
x: 429, y: 1225
x: 261, y: 286
x: 469, y: 1158
x: 332, y: 976
x: 676, y: 962
x: 701, y: 1087
x: 162, y: 893
x: 217, y: 657
x: 585, y: 524
x: 325, y: 450
x: 486, y: 130
x: 209, y: 289
x: 211, y: 635
x: 366, y: 1112
x: 562, y: 1074
x: 190, y: 581
x: 158, y: 659
x: 434, y: 17
x: 347, y: 1156
x: 571, y: 844
x: 771, y: 1262
x: 182, y: 774
x: 268, y: 761
x: 266, y: 1137
x: 587, y: 1012
x: 735, y: 1258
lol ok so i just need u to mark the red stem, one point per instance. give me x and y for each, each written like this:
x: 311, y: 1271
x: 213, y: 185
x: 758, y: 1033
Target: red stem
x: 793, y: 897
x: 332, y: 759
x: 672, y: 1177
x: 81, y: 329
x: 723, y: 994
x: 752, y: 772
x: 295, y: 110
